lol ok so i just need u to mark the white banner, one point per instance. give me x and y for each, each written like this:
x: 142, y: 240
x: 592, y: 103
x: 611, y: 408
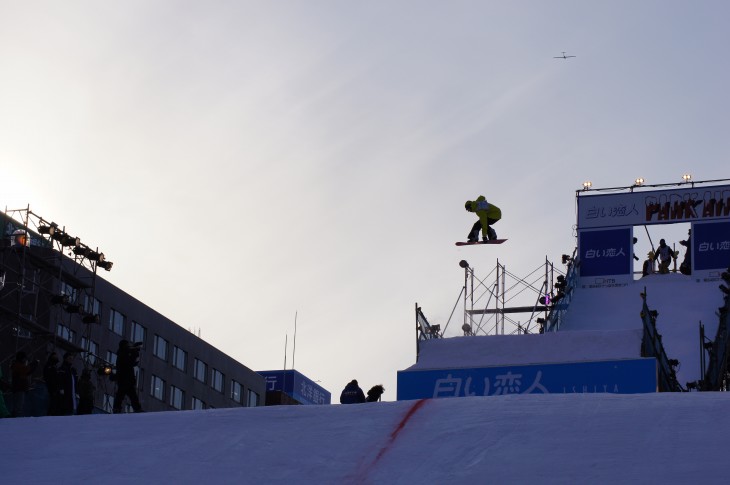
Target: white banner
x: 689, y: 204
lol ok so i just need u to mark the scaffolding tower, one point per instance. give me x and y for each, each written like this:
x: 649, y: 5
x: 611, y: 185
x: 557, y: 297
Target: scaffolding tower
x: 490, y: 304
x: 47, y: 281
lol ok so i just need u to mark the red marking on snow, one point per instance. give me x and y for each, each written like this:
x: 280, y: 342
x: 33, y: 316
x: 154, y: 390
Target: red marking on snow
x: 393, y: 436
x: 398, y: 429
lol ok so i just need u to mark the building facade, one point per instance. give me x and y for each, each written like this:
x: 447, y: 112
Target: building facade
x: 52, y: 298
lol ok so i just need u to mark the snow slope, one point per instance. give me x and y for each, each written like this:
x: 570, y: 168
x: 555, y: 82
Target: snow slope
x: 548, y: 348
x: 573, y: 438
x: 682, y: 302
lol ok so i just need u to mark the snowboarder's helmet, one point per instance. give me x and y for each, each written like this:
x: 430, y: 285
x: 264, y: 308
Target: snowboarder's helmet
x: 467, y: 206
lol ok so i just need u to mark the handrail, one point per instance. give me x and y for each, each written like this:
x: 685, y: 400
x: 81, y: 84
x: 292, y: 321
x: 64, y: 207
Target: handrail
x: 424, y: 330
x: 560, y: 306
x: 651, y: 346
x: 718, y: 350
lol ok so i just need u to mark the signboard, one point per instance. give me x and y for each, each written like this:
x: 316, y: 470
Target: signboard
x: 604, y: 253
x: 616, y: 376
x: 296, y: 385
x: 688, y: 204
x: 711, y: 246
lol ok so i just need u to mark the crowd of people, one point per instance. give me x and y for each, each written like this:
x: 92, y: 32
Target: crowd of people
x: 68, y: 393
x: 664, y: 255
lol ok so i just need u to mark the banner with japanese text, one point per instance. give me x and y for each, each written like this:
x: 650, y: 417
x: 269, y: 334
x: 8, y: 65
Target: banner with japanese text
x: 296, y: 385
x: 711, y: 246
x: 646, y: 207
x: 605, y: 253
x: 616, y: 376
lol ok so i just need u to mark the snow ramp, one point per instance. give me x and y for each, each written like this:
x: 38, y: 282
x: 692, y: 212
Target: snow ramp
x: 682, y: 303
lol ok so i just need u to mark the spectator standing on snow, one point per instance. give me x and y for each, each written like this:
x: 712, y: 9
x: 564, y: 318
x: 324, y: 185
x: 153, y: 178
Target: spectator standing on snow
x: 67, y: 385
x: 352, y: 394
x: 21, y: 372
x: 664, y: 254
x: 50, y: 376
x: 86, y: 393
x: 127, y: 359
x: 686, y: 266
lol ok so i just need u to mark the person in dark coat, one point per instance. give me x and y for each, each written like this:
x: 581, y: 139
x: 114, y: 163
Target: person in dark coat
x: 375, y: 392
x: 686, y: 266
x: 21, y: 372
x: 86, y: 393
x: 50, y: 376
x: 352, y: 394
x: 127, y: 359
x: 67, y: 382
x: 665, y: 255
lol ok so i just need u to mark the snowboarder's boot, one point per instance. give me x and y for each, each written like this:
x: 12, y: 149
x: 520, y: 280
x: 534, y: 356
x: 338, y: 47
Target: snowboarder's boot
x: 492, y: 233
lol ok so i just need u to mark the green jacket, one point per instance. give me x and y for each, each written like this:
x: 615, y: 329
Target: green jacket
x: 485, y: 211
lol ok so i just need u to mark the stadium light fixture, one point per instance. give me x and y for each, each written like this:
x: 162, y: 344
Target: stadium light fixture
x: 639, y: 182
x: 49, y: 230
x: 587, y: 185
x: 687, y: 178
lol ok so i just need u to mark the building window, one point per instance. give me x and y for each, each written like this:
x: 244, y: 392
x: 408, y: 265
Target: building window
x: 69, y: 291
x: 200, y: 370
x: 198, y: 404
x: 236, y: 391
x: 157, y: 389
x: 179, y: 358
x: 160, y: 348
x: 139, y: 334
x: 65, y: 333
x: 91, y: 350
x: 111, y: 357
x: 253, y: 399
x: 177, y: 397
x: 92, y: 305
x: 217, y: 380
x: 116, y: 322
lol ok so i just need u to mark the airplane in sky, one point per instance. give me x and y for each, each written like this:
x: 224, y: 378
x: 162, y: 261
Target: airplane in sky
x: 562, y: 57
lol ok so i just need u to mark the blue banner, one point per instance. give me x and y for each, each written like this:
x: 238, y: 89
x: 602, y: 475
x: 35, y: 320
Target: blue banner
x: 296, y: 385
x: 711, y: 246
x: 604, y: 253
x: 618, y: 376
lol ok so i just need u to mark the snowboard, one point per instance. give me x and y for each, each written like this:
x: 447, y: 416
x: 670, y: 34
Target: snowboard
x: 491, y: 241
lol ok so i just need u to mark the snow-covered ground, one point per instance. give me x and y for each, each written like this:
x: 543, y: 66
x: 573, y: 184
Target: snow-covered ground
x: 533, y: 438
x: 570, y: 438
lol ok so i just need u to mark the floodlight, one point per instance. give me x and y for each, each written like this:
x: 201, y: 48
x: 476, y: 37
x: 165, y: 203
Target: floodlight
x: 587, y: 185
x: 90, y: 318
x: 73, y: 308
x: 639, y: 181
x: 49, y: 230
x: 687, y: 178
x: 59, y: 299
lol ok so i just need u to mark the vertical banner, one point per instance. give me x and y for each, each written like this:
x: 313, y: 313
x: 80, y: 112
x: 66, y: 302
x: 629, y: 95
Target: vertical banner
x: 711, y: 246
x: 606, y: 252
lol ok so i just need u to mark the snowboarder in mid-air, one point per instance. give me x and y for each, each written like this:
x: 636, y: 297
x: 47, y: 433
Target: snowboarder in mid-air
x: 488, y: 215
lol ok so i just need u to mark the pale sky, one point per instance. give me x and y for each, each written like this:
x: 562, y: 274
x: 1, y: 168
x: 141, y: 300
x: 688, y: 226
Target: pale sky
x: 242, y: 162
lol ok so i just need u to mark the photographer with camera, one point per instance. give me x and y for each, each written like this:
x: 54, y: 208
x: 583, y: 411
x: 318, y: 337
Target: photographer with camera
x: 127, y: 359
